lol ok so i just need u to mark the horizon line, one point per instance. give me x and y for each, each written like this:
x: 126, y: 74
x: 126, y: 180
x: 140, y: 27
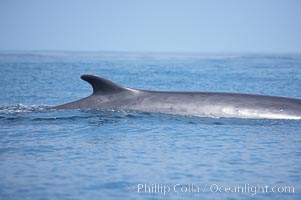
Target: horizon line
x: 149, y: 52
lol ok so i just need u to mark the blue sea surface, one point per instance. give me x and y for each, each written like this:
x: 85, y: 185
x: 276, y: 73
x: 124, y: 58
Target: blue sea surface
x: 97, y: 154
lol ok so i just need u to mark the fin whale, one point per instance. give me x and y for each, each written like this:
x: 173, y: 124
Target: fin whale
x: 109, y: 95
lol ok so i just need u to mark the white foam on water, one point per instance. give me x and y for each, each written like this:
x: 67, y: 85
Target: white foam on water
x: 21, y: 108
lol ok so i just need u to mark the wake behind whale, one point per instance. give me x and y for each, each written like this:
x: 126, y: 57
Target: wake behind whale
x: 109, y: 95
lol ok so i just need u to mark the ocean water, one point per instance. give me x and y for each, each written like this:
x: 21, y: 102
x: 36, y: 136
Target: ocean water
x: 94, y: 154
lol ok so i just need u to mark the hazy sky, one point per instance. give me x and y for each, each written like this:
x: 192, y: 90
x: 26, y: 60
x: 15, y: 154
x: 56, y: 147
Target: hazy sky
x: 152, y: 25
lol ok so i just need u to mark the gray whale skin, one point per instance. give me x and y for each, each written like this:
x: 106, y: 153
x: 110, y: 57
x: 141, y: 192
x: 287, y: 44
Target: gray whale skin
x: 109, y: 95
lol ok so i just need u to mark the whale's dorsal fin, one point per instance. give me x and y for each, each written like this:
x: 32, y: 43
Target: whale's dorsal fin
x: 101, y: 85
